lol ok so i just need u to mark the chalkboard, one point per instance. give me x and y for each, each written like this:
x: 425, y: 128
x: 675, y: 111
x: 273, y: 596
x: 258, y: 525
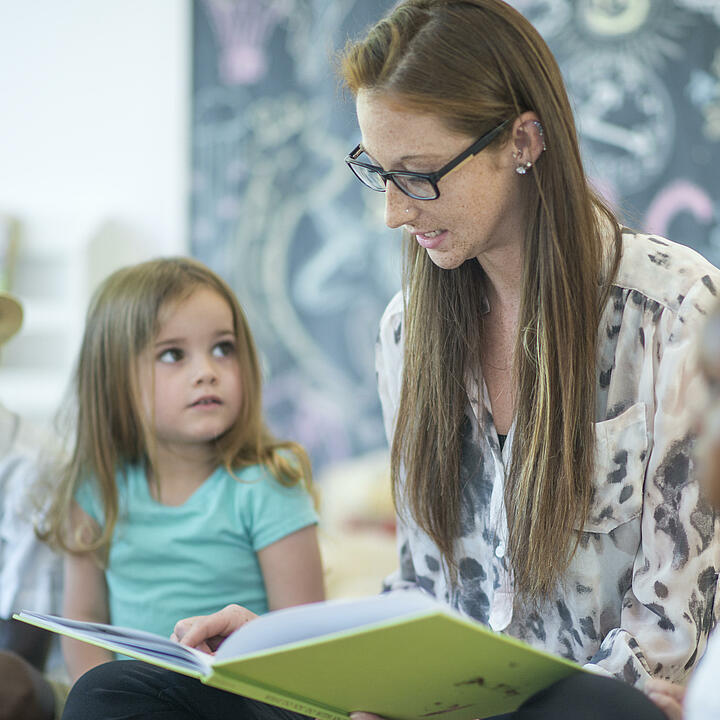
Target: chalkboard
x: 277, y: 213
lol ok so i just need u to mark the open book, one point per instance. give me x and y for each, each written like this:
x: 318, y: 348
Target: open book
x: 402, y: 655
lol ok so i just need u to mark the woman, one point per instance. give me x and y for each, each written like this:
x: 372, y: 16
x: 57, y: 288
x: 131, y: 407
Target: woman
x: 535, y: 372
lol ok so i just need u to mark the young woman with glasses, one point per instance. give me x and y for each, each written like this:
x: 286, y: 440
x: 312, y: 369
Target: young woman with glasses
x: 537, y: 370
x: 535, y: 373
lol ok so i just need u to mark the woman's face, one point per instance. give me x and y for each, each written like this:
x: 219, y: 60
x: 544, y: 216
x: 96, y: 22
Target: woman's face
x: 479, y: 211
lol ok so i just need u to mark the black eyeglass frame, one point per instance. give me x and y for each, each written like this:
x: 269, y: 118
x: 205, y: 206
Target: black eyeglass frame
x: 434, y: 177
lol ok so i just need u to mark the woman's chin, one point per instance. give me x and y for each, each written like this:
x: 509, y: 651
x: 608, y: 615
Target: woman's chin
x: 445, y: 260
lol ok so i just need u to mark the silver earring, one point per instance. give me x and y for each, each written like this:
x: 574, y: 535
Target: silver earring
x: 522, y: 167
x: 539, y: 127
x: 407, y: 210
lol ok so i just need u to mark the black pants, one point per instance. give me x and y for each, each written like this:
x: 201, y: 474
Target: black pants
x: 130, y: 690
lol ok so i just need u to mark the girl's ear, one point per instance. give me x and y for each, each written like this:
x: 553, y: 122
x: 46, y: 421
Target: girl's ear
x: 527, y: 140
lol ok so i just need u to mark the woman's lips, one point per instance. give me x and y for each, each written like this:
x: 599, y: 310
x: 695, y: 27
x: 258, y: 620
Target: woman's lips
x: 432, y: 241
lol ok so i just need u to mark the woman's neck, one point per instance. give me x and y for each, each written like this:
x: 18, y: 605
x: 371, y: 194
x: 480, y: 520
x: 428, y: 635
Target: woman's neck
x: 503, y: 280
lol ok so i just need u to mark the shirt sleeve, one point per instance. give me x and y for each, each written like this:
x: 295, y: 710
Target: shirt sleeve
x: 388, y: 367
x: 273, y: 511
x: 404, y: 577
x: 388, y: 363
x: 30, y: 571
x: 86, y: 496
x: 670, y: 608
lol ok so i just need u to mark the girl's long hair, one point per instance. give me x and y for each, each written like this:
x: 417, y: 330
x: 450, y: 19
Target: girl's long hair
x: 111, y: 428
x: 475, y: 63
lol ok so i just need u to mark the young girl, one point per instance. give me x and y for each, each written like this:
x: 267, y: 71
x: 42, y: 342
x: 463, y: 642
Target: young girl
x: 180, y: 500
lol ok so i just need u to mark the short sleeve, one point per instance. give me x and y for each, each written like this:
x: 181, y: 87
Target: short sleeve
x: 86, y: 497
x: 271, y: 510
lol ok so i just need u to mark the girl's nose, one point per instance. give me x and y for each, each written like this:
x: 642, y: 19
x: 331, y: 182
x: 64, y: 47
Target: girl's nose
x: 205, y: 372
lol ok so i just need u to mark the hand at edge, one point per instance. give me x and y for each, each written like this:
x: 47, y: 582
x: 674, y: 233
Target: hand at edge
x: 667, y: 696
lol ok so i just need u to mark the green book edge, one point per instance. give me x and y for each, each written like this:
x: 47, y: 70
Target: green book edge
x: 234, y: 680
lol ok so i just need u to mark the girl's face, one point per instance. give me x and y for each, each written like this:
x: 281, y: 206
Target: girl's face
x: 194, y: 365
x: 479, y: 208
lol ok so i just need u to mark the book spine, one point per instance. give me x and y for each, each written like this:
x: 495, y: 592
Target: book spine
x: 272, y: 697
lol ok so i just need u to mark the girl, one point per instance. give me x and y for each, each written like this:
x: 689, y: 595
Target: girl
x: 180, y: 501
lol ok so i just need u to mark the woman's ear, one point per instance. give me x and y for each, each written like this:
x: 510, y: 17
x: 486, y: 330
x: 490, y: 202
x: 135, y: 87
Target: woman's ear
x: 528, y: 141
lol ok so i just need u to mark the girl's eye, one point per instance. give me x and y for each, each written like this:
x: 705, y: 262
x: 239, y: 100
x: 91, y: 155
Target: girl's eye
x: 171, y: 355
x: 223, y: 349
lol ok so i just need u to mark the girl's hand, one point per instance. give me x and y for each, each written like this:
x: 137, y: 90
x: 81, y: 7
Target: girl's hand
x: 206, y: 632
x: 667, y: 696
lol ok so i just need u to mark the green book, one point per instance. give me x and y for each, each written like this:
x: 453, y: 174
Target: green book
x: 403, y: 655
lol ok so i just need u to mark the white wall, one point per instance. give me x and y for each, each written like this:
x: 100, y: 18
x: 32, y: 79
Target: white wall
x: 94, y: 157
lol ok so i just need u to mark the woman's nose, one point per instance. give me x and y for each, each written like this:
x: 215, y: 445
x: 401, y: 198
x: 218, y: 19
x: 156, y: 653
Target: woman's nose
x: 398, y: 206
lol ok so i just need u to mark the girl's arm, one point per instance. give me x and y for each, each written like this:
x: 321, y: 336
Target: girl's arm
x: 84, y: 598
x: 292, y: 569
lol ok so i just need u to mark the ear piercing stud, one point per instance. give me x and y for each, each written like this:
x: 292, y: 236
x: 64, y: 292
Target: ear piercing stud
x: 539, y: 127
x: 523, y: 167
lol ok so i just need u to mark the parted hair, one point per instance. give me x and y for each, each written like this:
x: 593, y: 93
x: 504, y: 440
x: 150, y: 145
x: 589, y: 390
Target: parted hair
x: 111, y: 428
x: 473, y: 64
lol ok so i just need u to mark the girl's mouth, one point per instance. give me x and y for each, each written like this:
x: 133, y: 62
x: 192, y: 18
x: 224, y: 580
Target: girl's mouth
x: 207, y: 401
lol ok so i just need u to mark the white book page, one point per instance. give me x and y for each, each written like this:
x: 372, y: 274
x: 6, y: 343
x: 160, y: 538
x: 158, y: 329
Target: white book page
x: 303, y: 622
x: 121, y: 638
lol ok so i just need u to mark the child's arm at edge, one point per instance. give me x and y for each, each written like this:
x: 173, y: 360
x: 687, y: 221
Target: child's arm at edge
x: 84, y: 598
x: 292, y: 569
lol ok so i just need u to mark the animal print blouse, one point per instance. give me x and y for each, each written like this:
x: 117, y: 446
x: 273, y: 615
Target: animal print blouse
x: 639, y: 597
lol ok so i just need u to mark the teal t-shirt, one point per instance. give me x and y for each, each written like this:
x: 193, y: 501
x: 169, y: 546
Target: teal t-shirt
x: 168, y: 562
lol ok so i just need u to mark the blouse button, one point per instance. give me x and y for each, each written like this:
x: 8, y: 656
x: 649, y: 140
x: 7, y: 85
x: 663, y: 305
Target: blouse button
x: 500, y: 550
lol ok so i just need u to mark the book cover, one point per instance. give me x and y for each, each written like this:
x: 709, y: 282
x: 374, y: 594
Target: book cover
x: 403, y: 655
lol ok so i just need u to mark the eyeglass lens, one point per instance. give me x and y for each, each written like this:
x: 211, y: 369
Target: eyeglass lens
x: 371, y: 178
x: 414, y: 186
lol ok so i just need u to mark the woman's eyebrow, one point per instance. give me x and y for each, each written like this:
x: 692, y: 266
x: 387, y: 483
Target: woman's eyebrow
x: 422, y: 156
x: 405, y: 158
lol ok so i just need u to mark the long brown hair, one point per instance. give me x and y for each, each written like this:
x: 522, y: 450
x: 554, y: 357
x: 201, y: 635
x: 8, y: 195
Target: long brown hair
x: 475, y: 63
x: 111, y: 429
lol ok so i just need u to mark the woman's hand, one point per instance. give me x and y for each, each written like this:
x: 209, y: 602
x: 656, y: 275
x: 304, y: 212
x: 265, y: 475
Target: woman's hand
x: 206, y: 632
x: 667, y: 696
